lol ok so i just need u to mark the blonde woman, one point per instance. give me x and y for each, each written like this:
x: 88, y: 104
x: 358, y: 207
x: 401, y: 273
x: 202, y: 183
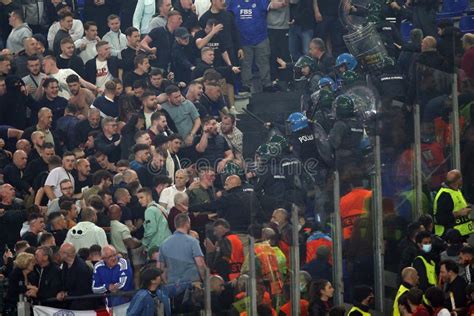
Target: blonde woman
x: 19, y: 283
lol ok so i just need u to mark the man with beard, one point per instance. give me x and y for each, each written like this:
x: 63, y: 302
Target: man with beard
x: 34, y: 78
x: 82, y: 98
x: 13, y: 173
x: 155, y: 167
x: 82, y: 175
x: 52, y: 185
x: 149, y: 104
x: 212, y: 147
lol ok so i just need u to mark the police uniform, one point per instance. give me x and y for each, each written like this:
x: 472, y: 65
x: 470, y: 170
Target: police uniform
x: 345, y: 137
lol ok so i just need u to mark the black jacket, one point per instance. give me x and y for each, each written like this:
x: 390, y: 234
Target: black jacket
x: 14, y: 176
x: 91, y: 68
x: 77, y: 280
x: 48, y: 281
x: 107, y: 146
x: 240, y: 208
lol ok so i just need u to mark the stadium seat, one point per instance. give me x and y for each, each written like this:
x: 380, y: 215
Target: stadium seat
x: 452, y: 8
x: 405, y: 29
x: 466, y: 24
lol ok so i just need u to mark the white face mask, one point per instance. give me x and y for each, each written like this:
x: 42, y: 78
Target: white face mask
x: 426, y: 248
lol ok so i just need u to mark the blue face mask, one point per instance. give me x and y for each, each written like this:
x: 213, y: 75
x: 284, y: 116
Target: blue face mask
x: 426, y: 248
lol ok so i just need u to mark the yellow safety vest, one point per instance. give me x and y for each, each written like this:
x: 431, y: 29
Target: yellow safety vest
x: 464, y: 223
x: 402, y: 289
x: 357, y: 309
x: 430, y: 270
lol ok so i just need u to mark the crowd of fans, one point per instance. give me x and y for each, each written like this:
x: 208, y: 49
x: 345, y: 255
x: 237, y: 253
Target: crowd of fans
x: 123, y: 167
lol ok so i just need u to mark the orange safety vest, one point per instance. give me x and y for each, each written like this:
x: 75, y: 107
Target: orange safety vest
x: 237, y: 256
x: 304, y: 308
x: 269, y: 266
x: 353, y: 205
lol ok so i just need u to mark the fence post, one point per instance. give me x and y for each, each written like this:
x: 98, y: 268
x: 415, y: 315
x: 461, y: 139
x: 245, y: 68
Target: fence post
x: 456, y: 139
x: 377, y: 216
x: 295, y: 263
x: 207, y: 293
x: 253, y: 278
x: 417, y: 168
x: 337, y: 245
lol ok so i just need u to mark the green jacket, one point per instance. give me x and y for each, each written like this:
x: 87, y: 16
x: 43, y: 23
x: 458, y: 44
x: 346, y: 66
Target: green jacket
x: 155, y: 225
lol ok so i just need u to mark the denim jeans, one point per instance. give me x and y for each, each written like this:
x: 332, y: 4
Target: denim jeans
x: 299, y: 41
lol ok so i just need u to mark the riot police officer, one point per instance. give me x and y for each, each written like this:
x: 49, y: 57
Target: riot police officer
x: 305, y: 70
x: 346, y: 73
x: 307, y: 147
x: 346, y: 135
x: 322, y: 111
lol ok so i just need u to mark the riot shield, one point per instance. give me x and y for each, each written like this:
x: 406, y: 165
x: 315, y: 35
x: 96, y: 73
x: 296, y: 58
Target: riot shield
x: 324, y: 148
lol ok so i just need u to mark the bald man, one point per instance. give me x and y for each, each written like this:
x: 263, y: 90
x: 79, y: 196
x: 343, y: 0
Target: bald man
x: 77, y: 278
x: 45, y: 121
x: 13, y: 173
x: 409, y: 279
x: 82, y: 175
x: 240, y: 208
x: 23, y: 144
x: 450, y: 208
x: 121, y: 237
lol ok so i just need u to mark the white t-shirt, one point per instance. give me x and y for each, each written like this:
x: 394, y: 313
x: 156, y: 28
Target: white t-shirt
x: 61, y: 76
x: 167, y: 197
x: 147, y: 119
x: 55, y: 177
x: 103, y: 74
x: 90, y: 51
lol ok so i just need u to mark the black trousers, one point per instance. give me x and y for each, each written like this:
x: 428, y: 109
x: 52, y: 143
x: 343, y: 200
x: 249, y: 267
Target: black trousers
x: 279, y: 47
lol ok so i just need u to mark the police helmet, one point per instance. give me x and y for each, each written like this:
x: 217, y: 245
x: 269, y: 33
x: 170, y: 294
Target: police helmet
x: 327, y: 82
x: 280, y: 140
x: 326, y: 98
x: 231, y: 168
x: 268, y: 151
x: 344, y: 106
x: 303, y: 61
x: 346, y: 59
x: 297, y: 121
x: 349, y: 77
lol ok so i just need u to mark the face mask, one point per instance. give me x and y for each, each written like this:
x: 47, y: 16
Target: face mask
x: 427, y: 248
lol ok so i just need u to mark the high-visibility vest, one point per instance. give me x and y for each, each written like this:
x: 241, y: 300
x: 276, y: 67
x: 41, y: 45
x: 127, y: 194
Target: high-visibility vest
x: 304, y: 308
x: 237, y: 256
x: 269, y: 266
x: 357, y: 309
x: 402, y: 289
x: 430, y: 270
x: 464, y: 223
